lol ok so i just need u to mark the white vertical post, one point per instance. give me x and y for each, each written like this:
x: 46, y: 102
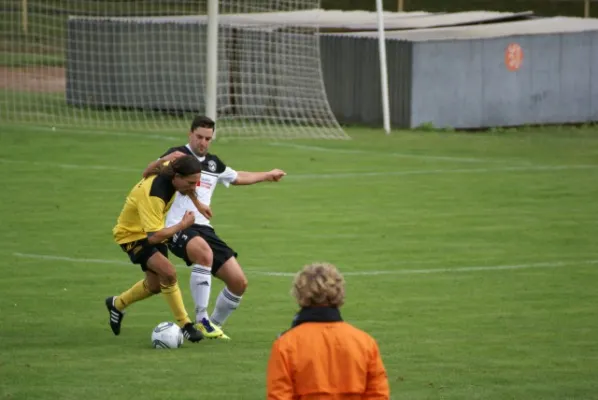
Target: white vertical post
x: 212, y: 60
x: 383, y: 66
x: 401, y: 5
x: 24, y: 16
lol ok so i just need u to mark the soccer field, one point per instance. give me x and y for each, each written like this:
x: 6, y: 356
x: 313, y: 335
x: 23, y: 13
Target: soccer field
x: 471, y: 258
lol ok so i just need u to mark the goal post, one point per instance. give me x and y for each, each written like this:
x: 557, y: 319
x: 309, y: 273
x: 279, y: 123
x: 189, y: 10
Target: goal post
x: 383, y: 67
x: 153, y: 64
x: 265, y: 58
x: 212, y: 60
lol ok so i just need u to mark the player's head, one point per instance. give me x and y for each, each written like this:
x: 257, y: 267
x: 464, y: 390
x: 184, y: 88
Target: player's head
x: 185, y: 172
x: 201, y: 134
x: 319, y: 284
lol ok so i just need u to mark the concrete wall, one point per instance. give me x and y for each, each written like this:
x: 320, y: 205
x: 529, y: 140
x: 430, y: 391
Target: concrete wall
x: 351, y: 71
x: 466, y: 83
x: 150, y: 67
x: 448, y: 83
x: 162, y: 66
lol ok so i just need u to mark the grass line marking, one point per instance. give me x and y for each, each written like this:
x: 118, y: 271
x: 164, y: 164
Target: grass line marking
x: 394, y: 154
x: 98, y: 132
x: 336, y: 175
x: 483, y: 268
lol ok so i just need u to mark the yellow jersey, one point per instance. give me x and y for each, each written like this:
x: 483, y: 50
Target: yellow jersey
x: 144, y: 209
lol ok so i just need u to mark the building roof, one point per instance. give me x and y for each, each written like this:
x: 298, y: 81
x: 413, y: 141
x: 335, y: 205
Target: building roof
x: 334, y: 20
x: 553, y: 25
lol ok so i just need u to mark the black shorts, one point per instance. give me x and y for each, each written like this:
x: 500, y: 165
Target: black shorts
x: 222, y: 253
x: 140, y: 251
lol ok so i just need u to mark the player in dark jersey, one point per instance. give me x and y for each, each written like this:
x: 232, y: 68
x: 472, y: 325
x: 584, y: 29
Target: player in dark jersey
x: 199, y: 245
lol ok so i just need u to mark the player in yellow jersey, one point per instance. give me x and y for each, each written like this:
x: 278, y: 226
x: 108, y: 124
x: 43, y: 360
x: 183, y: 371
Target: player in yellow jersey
x: 141, y: 234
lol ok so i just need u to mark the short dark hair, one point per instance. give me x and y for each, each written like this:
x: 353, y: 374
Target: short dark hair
x: 201, y: 121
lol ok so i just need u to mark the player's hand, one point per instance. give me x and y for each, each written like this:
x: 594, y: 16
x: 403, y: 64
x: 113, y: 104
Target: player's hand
x: 205, y: 210
x: 188, y: 220
x: 275, y: 175
x: 173, y: 156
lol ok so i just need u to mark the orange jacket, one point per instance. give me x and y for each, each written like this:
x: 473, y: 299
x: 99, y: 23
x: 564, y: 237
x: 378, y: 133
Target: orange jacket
x: 321, y: 357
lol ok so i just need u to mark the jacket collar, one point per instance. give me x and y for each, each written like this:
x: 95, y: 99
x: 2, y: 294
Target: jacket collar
x: 317, y: 314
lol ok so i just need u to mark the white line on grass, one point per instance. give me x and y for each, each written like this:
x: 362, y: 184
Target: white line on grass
x: 338, y: 175
x: 549, y: 264
x: 539, y: 168
x: 393, y: 154
x: 71, y: 166
x: 94, y: 132
x: 70, y: 259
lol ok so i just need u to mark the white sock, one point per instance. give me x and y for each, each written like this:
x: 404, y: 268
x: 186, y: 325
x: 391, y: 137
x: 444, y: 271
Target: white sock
x: 226, y: 303
x: 201, y: 284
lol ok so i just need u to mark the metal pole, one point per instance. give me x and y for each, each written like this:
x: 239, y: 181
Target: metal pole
x: 383, y: 67
x: 24, y: 16
x: 586, y: 9
x: 212, y: 60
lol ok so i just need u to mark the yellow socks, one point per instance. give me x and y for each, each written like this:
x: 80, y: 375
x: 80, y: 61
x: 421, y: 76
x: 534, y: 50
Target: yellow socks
x: 136, y: 293
x: 173, y: 296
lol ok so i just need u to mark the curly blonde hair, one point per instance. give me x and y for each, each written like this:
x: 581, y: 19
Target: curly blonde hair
x: 319, y: 284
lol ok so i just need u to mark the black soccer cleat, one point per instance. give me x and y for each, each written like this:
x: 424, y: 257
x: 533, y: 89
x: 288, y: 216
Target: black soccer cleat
x: 116, y: 316
x: 191, y: 333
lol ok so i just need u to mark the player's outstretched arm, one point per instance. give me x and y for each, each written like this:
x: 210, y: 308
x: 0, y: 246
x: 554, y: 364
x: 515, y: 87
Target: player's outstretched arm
x: 249, y: 178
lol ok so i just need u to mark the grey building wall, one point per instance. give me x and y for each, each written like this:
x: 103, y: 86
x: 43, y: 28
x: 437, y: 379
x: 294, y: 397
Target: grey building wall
x: 162, y: 66
x: 465, y: 83
x: 150, y: 67
x: 351, y: 71
x: 448, y: 83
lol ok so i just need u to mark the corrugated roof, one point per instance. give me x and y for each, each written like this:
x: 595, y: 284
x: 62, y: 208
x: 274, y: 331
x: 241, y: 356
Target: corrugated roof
x: 335, y: 19
x: 529, y: 27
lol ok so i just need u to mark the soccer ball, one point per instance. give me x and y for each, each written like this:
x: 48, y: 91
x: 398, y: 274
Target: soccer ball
x: 167, y: 336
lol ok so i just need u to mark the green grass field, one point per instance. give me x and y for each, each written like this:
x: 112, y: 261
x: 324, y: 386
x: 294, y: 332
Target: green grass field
x: 471, y: 258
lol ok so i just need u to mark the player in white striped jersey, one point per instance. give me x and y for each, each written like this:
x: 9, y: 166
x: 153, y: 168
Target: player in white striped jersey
x: 199, y: 245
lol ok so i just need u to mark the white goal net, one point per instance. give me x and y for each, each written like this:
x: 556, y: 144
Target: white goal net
x: 141, y: 65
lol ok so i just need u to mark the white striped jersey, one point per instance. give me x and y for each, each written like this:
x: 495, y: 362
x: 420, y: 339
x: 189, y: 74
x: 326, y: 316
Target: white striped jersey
x: 213, y: 171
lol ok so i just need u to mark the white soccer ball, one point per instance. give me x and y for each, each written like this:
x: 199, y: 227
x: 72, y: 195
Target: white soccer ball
x: 167, y: 336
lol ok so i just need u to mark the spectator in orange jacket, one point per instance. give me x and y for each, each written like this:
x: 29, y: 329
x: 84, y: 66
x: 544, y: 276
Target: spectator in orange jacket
x: 321, y: 357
